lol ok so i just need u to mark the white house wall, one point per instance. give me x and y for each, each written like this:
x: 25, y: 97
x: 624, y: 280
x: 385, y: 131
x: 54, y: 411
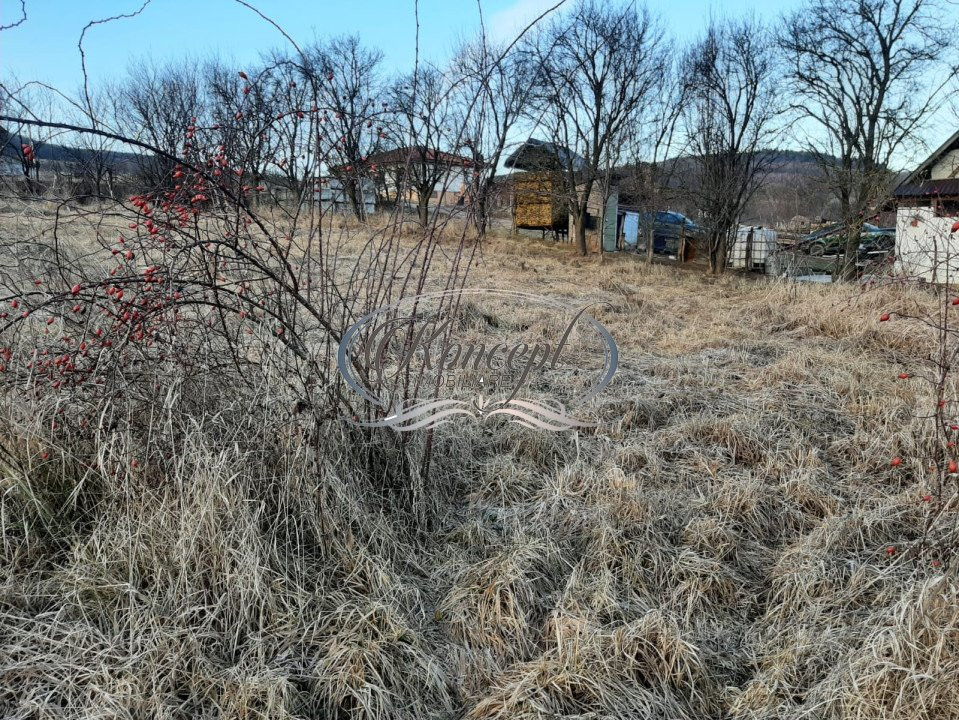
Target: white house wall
x: 946, y: 167
x: 333, y: 196
x: 925, y: 247
x: 452, y: 182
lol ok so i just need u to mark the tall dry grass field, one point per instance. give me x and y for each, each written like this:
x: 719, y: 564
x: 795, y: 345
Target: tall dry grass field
x: 734, y: 541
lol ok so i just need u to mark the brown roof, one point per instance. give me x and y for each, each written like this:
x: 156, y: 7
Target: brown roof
x: 418, y: 153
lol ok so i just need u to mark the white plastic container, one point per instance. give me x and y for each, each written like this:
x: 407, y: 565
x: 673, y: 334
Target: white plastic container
x: 753, y: 246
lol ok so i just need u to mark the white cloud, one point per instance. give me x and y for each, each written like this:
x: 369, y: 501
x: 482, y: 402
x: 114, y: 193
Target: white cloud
x: 506, y: 24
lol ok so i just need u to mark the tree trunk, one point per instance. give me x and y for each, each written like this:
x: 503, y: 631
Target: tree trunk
x: 845, y: 212
x: 479, y: 213
x: 257, y: 181
x: 423, y: 208
x: 650, y: 240
x: 353, y: 193
x: 849, y: 269
x: 717, y: 252
x: 580, y: 229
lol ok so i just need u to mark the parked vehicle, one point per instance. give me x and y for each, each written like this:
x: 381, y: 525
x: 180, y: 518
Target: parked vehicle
x: 876, y: 250
x: 832, y: 240
x: 668, y: 230
x: 883, y: 241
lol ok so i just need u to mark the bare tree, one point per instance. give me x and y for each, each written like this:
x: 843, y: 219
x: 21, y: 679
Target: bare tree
x: 657, y: 140
x: 22, y: 141
x: 294, y: 125
x: 866, y: 75
x: 421, y: 103
x: 491, y: 100
x: 346, y: 78
x: 94, y: 157
x: 729, y: 117
x: 242, y: 111
x: 596, y: 71
x: 159, y: 105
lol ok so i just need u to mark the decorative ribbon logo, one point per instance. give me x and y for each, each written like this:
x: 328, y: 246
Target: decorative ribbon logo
x: 477, y: 353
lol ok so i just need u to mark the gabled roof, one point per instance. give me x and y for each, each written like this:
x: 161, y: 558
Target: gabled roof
x: 541, y: 155
x: 918, y: 183
x: 922, y: 172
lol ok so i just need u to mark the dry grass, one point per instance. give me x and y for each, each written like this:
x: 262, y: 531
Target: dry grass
x: 718, y: 551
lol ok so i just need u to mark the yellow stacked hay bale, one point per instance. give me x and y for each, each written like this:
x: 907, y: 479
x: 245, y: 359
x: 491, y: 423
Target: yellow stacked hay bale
x: 539, y: 202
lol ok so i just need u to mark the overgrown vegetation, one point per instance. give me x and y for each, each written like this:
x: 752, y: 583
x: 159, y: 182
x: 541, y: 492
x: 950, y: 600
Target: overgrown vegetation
x: 196, y: 523
x: 735, y: 544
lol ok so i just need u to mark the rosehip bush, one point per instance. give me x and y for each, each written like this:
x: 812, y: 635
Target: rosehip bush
x: 937, y: 455
x: 209, y: 291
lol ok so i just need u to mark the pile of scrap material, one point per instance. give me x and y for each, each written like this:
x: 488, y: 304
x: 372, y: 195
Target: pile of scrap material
x: 539, y: 201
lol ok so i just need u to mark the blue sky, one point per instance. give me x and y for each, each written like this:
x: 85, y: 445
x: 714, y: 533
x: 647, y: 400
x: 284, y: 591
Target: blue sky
x: 45, y: 46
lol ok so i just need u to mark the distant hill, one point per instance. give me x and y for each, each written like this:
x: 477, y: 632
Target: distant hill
x: 120, y: 162
x: 793, y: 189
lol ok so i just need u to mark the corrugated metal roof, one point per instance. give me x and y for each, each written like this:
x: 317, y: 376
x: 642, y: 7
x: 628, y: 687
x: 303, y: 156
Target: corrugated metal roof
x: 928, y: 188
x: 541, y: 155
